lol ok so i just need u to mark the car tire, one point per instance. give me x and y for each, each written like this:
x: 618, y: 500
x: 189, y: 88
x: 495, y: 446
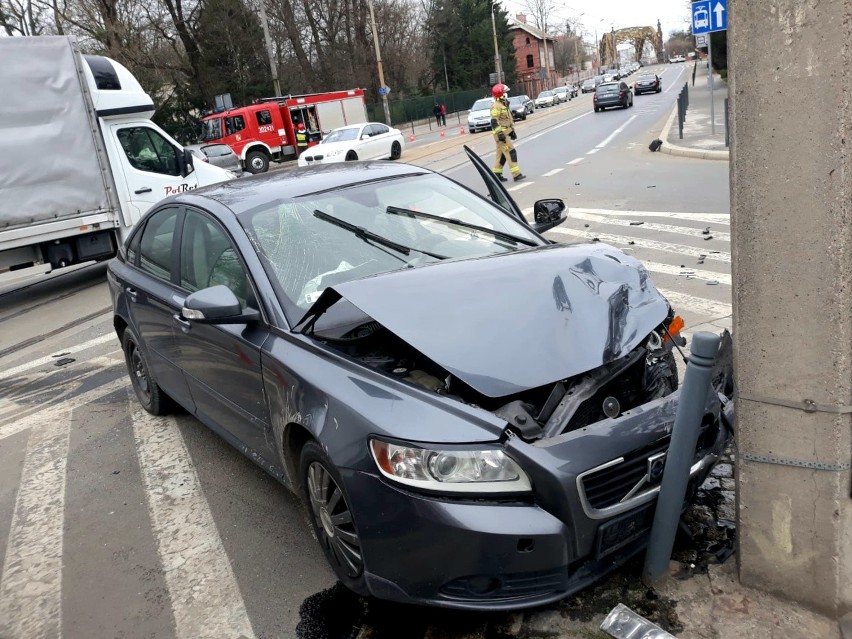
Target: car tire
x: 257, y: 162
x: 659, y: 89
x: 148, y: 392
x: 524, y: 117
x: 351, y: 156
x: 471, y: 131
x: 396, y: 151
x: 597, y: 109
x: 336, y: 531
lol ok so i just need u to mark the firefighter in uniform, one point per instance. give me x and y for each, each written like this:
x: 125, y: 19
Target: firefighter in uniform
x: 503, y: 128
x: 301, y: 138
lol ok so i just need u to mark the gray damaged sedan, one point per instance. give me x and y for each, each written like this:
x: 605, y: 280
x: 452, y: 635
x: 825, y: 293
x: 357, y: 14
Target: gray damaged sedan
x: 475, y: 417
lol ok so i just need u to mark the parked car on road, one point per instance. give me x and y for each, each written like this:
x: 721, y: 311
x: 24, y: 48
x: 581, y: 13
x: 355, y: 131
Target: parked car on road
x: 521, y: 106
x: 545, y: 99
x: 610, y: 94
x: 368, y: 141
x: 220, y: 155
x: 647, y: 83
x: 479, y: 118
x: 589, y: 85
x: 561, y: 93
x: 503, y: 463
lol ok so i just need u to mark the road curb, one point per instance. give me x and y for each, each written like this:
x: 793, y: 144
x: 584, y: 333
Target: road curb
x: 682, y: 151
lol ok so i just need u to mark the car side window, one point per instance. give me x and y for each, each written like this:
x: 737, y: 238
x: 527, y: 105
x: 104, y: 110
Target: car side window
x: 147, y: 150
x: 155, y: 244
x: 133, y: 247
x: 234, y: 124
x: 208, y: 258
x: 379, y: 129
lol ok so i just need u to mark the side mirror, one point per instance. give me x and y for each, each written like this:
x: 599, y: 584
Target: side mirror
x: 548, y: 214
x: 185, y: 162
x: 365, y: 136
x: 217, y: 305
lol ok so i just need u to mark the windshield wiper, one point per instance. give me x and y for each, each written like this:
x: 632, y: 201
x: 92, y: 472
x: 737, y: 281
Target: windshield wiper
x: 508, y: 237
x: 369, y: 236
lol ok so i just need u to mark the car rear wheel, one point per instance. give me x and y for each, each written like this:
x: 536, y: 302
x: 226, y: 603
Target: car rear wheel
x: 396, y: 151
x: 148, y: 392
x: 351, y: 156
x: 331, y: 516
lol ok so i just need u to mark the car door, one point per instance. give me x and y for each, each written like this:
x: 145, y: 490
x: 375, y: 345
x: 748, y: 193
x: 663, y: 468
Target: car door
x: 148, y: 279
x: 381, y: 136
x: 221, y: 362
x: 150, y: 164
x: 496, y: 191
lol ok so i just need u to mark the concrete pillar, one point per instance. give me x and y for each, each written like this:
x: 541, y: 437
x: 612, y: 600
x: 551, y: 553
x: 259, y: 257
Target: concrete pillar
x: 791, y: 205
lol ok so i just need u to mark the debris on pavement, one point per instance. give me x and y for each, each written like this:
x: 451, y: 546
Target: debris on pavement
x: 636, y: 223
x: 655, y: 145
x: 709, y: 237
x: 586, y: 225
x: 631, y: 242
x: 706, y: 231
x: 623, y: 623
x: 64, y: 361
x: 712, y: 282
x: 652, y: 186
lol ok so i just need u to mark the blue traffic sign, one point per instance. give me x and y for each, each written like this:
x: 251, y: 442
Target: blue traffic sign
x: 709, y: 16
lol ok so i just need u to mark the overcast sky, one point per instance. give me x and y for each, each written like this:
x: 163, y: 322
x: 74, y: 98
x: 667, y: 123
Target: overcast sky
x: 673, y: 14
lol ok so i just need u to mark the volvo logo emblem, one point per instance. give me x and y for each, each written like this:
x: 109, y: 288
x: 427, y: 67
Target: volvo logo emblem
x: 656, y: 466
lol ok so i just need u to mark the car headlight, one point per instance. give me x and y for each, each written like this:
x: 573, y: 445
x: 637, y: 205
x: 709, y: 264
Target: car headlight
x: 458, y: 471
x: 334, y: 153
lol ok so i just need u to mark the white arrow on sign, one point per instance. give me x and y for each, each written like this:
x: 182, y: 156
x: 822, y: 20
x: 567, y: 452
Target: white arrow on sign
x: 719, y: 10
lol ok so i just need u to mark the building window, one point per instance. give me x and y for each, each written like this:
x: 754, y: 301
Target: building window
x: 528, y: 40
x: 530, y: 61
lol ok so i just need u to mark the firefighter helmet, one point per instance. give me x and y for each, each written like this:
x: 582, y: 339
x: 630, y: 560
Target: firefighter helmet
x: 499, y: 90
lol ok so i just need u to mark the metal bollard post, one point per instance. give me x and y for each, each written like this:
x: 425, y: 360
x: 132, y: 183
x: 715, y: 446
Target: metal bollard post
x: 690, y: 410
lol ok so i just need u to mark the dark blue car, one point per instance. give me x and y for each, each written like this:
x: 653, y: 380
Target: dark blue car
x: 474, y: 417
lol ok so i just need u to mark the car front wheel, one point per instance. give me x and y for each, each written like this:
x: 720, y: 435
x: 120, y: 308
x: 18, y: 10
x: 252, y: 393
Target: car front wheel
x: 351, y: 156
x: 396, y: 151
x: 331, y: 516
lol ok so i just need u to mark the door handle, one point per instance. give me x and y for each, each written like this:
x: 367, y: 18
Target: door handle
x: 131, y: 293
x: 144, y: 189
x: 185, y: 325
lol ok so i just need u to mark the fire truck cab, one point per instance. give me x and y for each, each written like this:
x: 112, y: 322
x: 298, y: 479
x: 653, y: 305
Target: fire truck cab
x: 265, y: 132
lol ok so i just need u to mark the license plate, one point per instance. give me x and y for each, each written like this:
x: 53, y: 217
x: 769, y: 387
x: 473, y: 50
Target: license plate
x: 619, y: 532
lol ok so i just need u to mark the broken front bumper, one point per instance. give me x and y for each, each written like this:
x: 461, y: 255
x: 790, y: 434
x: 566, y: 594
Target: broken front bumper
x: 592, y: 504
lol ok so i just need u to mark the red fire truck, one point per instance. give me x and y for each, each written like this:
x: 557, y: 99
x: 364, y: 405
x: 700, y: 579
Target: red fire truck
x: 266, y: 131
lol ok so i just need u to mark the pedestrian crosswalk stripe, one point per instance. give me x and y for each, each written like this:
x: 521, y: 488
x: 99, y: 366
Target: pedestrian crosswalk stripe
x: 45, y: 416
x: 31, y: 587
x: 700, y: 305
x: 553, y: 172
x: 206, y: 600
x: 708, y: 218
x: 698, y: 274
x: 645, y: 243
x: 41, y: 361
x: 653, y: 226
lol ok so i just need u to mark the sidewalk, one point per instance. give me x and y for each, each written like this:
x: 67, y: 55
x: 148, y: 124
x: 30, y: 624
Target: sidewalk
x: 698, y: 139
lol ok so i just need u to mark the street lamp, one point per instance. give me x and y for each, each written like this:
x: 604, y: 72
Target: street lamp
x: 498, y: 66
x: 379, y: 63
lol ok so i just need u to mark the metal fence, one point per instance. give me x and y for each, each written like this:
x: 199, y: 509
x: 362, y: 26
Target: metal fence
x: 421, y: 107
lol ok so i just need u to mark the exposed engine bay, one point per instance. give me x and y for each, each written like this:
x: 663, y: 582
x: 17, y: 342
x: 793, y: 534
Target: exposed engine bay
x: 646, y: 373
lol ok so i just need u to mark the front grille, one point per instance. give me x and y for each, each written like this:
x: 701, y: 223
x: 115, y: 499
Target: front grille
x: 610, y: 485
x: 511, y: 586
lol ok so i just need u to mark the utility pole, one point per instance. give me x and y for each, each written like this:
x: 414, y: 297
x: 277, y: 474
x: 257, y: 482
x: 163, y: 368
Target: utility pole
x: 276, y: 84
x: 498, y: 66
x: 379, y: 63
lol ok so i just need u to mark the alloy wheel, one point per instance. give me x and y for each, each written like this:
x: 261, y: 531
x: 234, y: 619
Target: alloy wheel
x: 333, y: 518
x: 140, y: 372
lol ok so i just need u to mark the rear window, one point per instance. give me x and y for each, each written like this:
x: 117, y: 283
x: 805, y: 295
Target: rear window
x: 216, y: 150
x: 607, y: 88
x: 481, y: 105
x: 646, y: 78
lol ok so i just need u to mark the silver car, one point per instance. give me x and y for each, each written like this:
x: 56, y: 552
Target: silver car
x: 220, y: 155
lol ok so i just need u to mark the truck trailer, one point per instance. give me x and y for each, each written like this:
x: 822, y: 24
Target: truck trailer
x: 80, y: 159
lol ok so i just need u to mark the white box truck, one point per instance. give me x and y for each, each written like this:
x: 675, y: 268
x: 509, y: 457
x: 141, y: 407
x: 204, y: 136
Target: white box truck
x: 80, y: 158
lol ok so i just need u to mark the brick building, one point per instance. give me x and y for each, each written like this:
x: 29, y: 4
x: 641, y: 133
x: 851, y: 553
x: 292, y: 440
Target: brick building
x: 529, y: 54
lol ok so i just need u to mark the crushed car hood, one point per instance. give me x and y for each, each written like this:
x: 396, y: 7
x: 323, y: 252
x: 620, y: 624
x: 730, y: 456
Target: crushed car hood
x: 508, y: 323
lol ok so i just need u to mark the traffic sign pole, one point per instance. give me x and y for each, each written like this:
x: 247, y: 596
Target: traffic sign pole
x: 710, y: 75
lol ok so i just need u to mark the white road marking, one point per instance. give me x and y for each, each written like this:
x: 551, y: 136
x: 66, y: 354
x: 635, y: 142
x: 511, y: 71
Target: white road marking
x: 17, y: 370
x: 206, y: 600
x: 521, y: 186
x: 575, y: 161
x: 592, y: 151
x: 698, y: 274
x: 708, y: 218
x: 646, y: 243
x: 653, y: 226
x: 700, y: 305
x: 31, y: 589
x: 615, y: 133
x: 549, y: 129
x: 553, y: 172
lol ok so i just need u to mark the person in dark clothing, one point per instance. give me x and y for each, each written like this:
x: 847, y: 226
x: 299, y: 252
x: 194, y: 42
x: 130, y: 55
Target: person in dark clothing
x: 437, y: 112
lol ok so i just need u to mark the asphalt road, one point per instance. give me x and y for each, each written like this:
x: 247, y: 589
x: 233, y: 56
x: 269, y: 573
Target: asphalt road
x: 118, y: 524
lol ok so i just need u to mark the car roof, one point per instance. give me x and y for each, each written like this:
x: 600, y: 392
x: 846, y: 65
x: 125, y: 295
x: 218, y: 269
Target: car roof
x: 609, y: 84
x: 259, y: 190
